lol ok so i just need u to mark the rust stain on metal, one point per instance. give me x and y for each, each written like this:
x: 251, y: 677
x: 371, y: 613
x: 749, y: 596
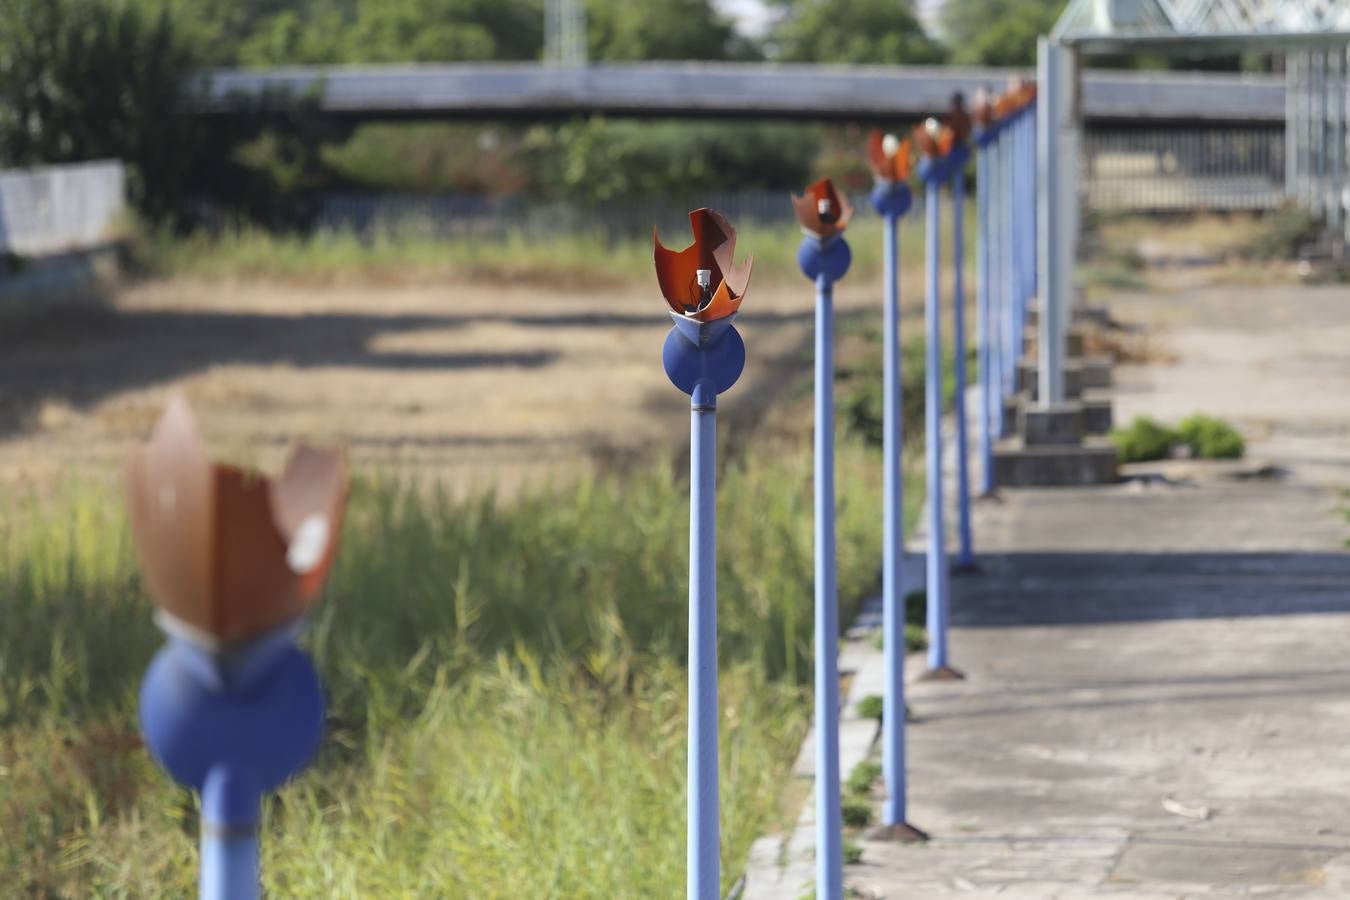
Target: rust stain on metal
x: 716, y: 294
x: 227, y: 554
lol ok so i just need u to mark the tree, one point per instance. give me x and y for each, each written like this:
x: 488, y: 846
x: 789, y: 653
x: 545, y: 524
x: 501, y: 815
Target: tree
x: 91, y: 79
x: 374, y: 31
x: 665, y: 30
x: 997, y: 32
x: 854, y: 31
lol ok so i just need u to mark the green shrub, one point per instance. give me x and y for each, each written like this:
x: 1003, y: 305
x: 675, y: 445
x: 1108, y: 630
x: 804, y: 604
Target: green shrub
x: 1143, y: 440
x: 1283, y: 235
x: 856, y: 813
x: 863, y: 776
x: 1210, y: 437
x: 871, y: 706
x: 852, y: 853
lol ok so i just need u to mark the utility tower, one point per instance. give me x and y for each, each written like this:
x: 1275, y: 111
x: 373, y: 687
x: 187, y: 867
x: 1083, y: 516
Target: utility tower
x: 565, y: 32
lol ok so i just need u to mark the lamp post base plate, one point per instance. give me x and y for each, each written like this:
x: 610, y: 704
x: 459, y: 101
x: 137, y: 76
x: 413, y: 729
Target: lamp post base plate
x: 903, y: 833
x: 943, y: 673
x: 966, y: 567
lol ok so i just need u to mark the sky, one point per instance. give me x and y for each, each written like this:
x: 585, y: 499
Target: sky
x: 753, y: 17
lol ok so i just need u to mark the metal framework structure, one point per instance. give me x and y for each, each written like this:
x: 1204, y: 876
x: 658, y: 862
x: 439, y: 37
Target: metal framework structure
x: 1313, y: 35
x: 565, y: 33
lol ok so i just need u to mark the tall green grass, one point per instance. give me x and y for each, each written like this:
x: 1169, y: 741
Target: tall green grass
x: 506, y: 697
x: 413, y: 252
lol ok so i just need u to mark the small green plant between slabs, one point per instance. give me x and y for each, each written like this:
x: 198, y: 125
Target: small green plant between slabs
x: 871, y: 707
x: 1210, y: 437
x: 1143, y: 440
x: 857, y: 813
x: 852, y: 853
x: 863, y: 776
x: 1201, y: 436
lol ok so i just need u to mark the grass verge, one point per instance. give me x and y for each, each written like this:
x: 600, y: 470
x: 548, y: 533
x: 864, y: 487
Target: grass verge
x: 505, y: 685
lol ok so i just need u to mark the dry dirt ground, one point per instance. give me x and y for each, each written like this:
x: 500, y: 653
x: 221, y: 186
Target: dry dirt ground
x: 479, y: 385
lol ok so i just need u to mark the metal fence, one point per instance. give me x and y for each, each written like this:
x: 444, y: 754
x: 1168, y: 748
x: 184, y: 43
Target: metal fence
x: 57, y: 209
x: 1166, y: 170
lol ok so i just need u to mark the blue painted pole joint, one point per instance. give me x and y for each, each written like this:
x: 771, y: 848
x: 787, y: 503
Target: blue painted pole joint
x: 232, y: 724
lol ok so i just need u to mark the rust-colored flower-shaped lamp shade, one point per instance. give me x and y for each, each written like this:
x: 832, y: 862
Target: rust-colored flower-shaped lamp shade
x: 703, y: 282
x: 823, y: 213
x: 228, y: 556
x: 889, y: 158
x: 703, y: 356
x: 230, y: 706
x: 704, y: 286
x: 983, y: 120
x: 821, y: 210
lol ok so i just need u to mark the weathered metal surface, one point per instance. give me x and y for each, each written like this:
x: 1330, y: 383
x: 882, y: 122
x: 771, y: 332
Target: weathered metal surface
x: 728, y: 89
x: 228, y: 555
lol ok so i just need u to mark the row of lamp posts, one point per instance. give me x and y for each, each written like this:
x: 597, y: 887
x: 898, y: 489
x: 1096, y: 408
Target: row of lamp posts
x: 232, y: 708
x: 704, y: 355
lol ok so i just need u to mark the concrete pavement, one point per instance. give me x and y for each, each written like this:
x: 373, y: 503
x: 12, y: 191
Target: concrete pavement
x: 1158, y: 692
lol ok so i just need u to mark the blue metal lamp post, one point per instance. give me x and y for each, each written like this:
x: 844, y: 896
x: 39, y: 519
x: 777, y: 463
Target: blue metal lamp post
x: 984, y: 135
x: 959, y: 154
x: 703, y: 356
x: 230, y: 706
x: 824, y: 257
x: 891, y: 197
x: 935, y: 168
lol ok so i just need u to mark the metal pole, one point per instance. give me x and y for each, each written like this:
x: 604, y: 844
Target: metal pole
x: 1007, y: 225
x: 229, y: 843
x: 1050, y: 74
x: 998, y: 287
x: 984, y: 319
x: 937, y: 549
x: 892, y: 572
x: 829, y: 825
x: 965, y: 557
x: 704, y: 864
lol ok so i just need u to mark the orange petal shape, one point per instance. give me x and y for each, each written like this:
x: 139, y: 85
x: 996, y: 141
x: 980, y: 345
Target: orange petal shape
x: 713, y: 249
x: 228, y: 555
x: 807, y: 208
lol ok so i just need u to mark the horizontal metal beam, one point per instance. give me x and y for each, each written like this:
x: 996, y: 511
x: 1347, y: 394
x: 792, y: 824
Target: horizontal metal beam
x: 712, y: 90
x: 1214, y: 44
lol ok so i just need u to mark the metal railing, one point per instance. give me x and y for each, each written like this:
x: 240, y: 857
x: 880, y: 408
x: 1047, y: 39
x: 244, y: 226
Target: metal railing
x: 1166, y: 170
x: 57, y: 209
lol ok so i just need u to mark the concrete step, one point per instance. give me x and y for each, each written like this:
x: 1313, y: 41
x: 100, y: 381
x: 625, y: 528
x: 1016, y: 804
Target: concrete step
x: 1095, y: 315
x: 1098, y: 418
x: 1073, y: 342
x: 1060, y: 424
x: 1080, y: 374
x: 1018, y: 465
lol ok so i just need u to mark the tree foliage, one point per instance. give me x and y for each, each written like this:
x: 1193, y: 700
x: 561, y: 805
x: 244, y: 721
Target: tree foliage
x: 997, y: 32
x: 599, y: 159
x: 666, y: 30
x: 854, y: 31
x: 82, y: 80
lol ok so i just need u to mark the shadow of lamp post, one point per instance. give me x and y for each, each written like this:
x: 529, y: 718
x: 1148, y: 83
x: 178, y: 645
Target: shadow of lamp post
x: 889, y: 158
x: 824, y: 257
x: 703, y: 356
x: 230, y: 707
x: 941, y: 156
